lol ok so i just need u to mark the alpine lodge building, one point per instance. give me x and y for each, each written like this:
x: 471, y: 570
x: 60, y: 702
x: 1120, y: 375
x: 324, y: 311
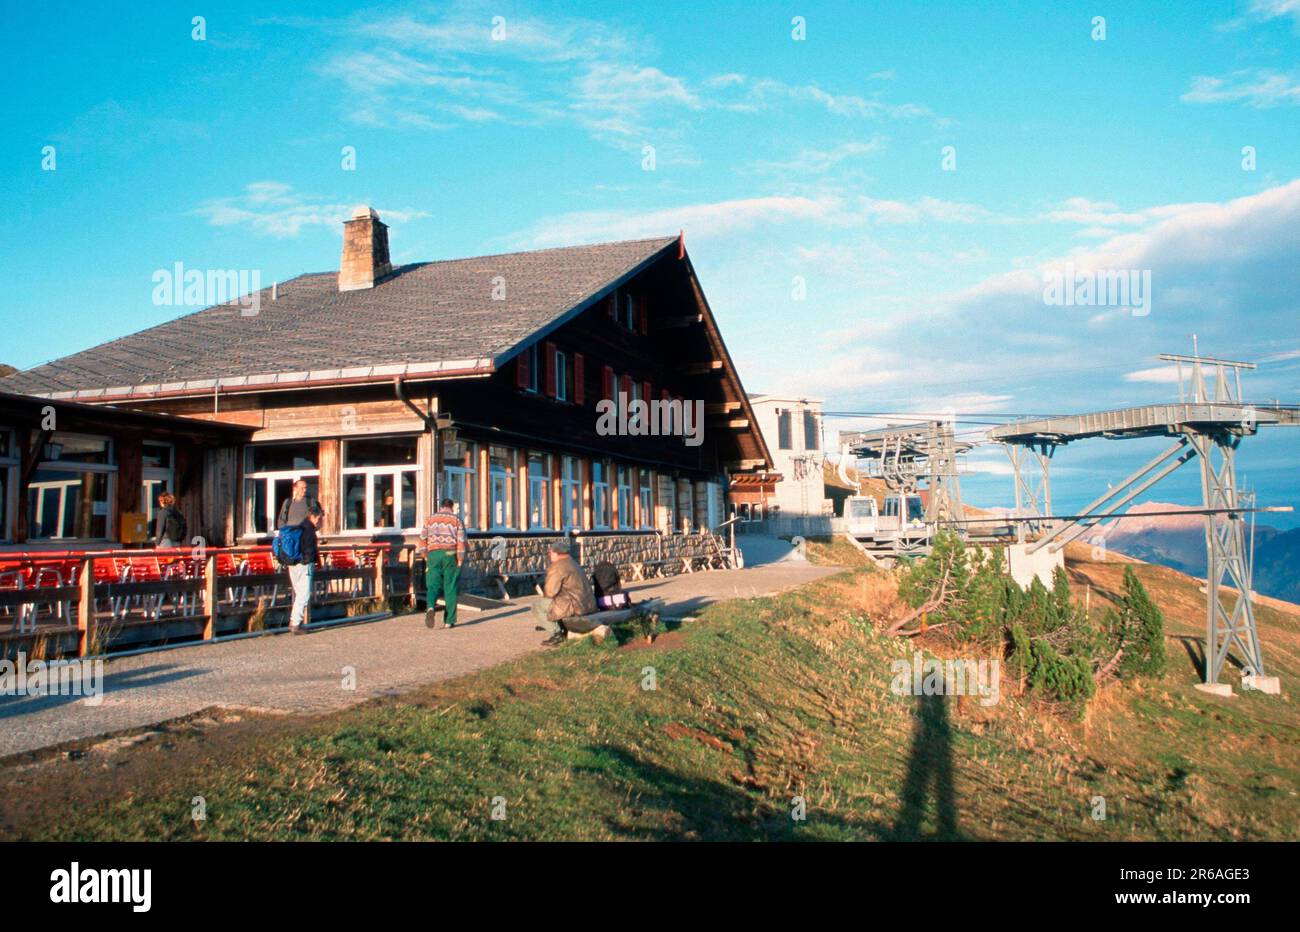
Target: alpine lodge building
x: 388, y: 389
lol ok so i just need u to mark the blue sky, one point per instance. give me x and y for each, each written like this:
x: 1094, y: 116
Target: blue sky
x: 818, y: 161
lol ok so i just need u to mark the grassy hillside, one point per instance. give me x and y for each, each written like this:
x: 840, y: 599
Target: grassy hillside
x: 756, y: 703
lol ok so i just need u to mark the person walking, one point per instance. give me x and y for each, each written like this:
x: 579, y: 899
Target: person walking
x: 442, y: 539
x: 566, y: 593
x: 302, y: 568
x: 293, y: 511
x: 169, y: 528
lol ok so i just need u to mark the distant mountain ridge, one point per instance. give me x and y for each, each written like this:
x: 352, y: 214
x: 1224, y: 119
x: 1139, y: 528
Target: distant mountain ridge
x: 1178, y: 541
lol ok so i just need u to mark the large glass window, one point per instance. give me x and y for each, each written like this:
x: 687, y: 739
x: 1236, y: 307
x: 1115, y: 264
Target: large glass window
x: 458, y: 479
x: 783, y: 439
x: 571, y: 492
x: 539, y: 491
x: 71, y: 489
x: 379, y: 475
x: 270, y: 470
x: 8, y: 481
x: 624, y: 497
x: 645, y: 492
x: 600, y: 503
x: 501, y: 486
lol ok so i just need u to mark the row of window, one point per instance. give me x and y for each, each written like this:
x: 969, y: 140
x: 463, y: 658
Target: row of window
x: 525, y: 489
x: 73, y: 484
x: 560, y: 374
x: 613, y: 490
x: 564, y: 375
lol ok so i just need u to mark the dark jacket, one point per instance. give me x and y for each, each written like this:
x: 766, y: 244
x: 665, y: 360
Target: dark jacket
x: 605, y: 580
x: 169, y: 524
x: 310, y: 549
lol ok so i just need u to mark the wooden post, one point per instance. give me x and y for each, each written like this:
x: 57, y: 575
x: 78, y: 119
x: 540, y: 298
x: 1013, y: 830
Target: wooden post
x: 86, y: 607
x: 522, y: 471
x: 379, y: 575
x: 210, y: 597
x: 410, y: 577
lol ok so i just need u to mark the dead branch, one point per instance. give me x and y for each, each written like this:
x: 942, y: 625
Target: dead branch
x: 1105, y: 671
x: 930, y: 605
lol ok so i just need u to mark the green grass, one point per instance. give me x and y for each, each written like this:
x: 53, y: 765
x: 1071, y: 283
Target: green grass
x: 759, y: 701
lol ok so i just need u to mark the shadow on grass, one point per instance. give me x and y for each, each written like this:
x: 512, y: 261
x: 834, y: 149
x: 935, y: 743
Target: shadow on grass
x: 665, y: 805
x: 929, y: 768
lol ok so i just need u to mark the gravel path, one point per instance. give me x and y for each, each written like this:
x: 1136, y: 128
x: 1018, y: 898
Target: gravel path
x: 309, y: 673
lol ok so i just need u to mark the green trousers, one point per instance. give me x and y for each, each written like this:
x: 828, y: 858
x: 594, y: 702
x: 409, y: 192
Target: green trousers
x: 441, y: 576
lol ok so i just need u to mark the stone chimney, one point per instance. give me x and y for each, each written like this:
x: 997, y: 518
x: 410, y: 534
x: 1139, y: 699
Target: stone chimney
x: 365, y: 251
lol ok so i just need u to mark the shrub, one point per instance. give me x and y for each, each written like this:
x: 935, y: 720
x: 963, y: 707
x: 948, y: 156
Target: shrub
x: 1141, y: 628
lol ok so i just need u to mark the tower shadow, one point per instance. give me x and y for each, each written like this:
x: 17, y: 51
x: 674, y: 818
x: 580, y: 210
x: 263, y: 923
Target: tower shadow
x: 929, y: 770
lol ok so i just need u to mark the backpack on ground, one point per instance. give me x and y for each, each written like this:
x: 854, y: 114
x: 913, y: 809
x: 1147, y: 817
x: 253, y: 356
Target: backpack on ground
x: 287, y: 546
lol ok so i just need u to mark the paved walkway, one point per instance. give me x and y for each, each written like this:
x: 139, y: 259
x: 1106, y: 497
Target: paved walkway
x: 306, y: 673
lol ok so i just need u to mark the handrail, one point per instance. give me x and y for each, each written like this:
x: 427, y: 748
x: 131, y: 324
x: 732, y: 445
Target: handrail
x: 84, y: 590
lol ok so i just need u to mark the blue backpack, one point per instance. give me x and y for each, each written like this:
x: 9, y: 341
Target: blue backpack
x: 287, y: 546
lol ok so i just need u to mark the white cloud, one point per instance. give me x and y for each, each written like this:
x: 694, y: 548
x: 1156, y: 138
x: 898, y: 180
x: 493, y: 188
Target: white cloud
x: 273, y: 208
x: 1158, y: 374
x: 818, y: 161
x: 1256, y: 88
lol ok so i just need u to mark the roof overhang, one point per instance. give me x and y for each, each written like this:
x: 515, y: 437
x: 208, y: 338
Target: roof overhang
x: 30, y: 410
x: 280, y: 381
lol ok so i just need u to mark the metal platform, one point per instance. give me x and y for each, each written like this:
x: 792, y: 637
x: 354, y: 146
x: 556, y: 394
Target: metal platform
x: 1208, y: 423
x: 1167, y: 420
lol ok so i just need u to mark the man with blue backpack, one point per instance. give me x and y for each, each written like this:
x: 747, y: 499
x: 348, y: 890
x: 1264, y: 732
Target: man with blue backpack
x: 295, y: 547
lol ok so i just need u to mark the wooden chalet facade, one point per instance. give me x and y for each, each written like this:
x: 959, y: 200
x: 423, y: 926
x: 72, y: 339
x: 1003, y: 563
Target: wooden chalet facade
x: 388, y: 389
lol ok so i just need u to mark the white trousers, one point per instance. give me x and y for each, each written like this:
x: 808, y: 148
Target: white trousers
x: 300, y: 578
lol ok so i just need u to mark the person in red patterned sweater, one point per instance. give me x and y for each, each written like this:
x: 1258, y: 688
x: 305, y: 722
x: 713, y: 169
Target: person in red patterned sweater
x: 442, y: 540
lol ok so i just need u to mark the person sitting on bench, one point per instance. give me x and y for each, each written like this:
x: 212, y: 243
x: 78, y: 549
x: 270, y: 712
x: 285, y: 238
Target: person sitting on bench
x: 566, y: 593
x: 607, y: 585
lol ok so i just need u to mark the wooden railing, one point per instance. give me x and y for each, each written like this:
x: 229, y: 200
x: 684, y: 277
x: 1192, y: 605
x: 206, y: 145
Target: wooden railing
x: 185, y: 593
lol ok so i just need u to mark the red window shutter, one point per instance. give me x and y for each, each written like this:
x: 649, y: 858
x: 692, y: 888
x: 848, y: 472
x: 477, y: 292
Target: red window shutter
x: 579, y: 376
x: 663, y: 395
x: 627, y: 386
x: 642, y: 314
x: 646, y: 393
x: 607, y: 382
x: 522, y: 375
x: 550, y: 370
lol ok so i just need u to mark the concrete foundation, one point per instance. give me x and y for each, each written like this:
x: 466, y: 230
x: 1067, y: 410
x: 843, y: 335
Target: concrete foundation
x: 1270, y: 685
x: 1215, y: 689
x: 1026, y: 566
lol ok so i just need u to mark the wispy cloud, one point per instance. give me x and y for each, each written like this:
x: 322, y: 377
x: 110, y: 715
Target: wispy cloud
x: 813, y: 161
x: 437, y: 70
x: 273, y: 208
x: 1255, y: 88
x: 1158, y: 374
x: 715, y: 218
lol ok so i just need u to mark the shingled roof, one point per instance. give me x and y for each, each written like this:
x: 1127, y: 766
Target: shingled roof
x: 426, y: 319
